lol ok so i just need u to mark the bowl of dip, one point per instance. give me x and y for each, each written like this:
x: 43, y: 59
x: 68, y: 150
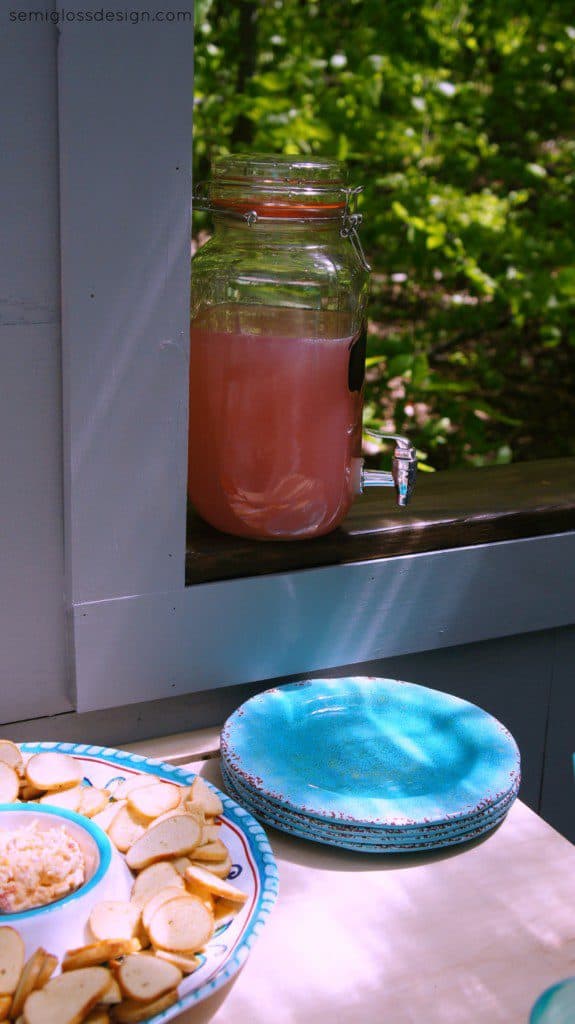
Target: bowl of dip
x: 55, y: 865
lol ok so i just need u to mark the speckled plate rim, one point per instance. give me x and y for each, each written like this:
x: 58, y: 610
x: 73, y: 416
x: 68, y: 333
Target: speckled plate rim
x: 371, y: 828
x: 261, y: 860
x: 378, y: 836
x: 325, y: 839
x: 310, y: 828
x: 270, y: 775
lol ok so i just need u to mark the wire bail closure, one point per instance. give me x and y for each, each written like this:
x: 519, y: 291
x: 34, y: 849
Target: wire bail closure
x: 350, y: 219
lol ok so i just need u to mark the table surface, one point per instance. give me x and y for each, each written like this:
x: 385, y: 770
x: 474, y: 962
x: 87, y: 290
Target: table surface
x: 473, y: 934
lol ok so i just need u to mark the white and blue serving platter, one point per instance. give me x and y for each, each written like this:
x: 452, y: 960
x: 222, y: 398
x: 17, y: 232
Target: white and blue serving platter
x: 370, y: 752
x: 253, y: 866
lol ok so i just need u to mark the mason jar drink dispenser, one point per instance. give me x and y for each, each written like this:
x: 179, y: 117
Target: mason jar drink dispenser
x: 277, y: 352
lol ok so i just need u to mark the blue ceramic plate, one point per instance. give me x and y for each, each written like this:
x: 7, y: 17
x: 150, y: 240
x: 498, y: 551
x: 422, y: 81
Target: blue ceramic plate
x: 370, y: 751
x: 329, y: 837
x: 253, y: 866
x: 363, y: 834
x: 556, y: 1005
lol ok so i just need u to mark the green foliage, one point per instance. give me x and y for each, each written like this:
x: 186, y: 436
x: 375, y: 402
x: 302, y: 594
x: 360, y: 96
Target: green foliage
x: 457, y: 117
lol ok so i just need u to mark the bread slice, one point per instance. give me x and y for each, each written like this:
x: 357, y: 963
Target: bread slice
x: 220, y: 868
x: 170, y: 838
x: 126, y: 828
x: 51, y: 770
x: 186, y: 962
x: 153, y: 879
x: 199, y: 880
x: 11, y: 754
x: 68, y: 798
x: 9, y: 784
x: 12, y: 955
x: 181, y: 925
x: 96, y: 953
x: 155, y: 799
x: 115, y: 919
x: 171, y: 892
x: 130, y: 1011
x: 202, y: 795
x: 28, y: 981
x: 67, y: 998
x: 144, y: 978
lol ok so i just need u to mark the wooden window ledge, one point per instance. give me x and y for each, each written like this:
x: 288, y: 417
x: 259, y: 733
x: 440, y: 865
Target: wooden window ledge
x: 448, y: 510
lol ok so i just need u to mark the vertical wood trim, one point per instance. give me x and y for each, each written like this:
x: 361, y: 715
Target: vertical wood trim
x: 125, y: 118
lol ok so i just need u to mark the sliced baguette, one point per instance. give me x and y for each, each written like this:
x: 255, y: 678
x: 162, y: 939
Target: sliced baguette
x: 171, y: 892
x: 68, y: 798
x: 153, y: 879
x: 28, y: 981
x: 9, y: 784
x: 130, y: 1011
x: 199, y: 880
x: 186, y: 962
x: 170, y: 838
x: 93, y: 801
x: 115, y: 919
x: 67, y: 998
x: 126, y: 828
x: 151, y: 801
x: 144, y: 978
x: 105, y: 818
x: 12, y: 956
x: 220, y: 868
x: 11, y: 754
x: 181, y: 925
x: 96, y: 953
x: 51, y: 770
x: 202, y: 795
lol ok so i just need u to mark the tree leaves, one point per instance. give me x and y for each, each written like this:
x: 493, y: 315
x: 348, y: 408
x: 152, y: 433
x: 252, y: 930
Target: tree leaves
x: 457, y: 117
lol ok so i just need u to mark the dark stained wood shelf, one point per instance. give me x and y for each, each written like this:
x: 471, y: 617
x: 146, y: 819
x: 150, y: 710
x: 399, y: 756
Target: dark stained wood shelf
x: 448, y: 510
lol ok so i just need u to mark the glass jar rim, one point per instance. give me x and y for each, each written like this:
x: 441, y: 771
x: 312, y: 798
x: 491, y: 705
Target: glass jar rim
x: 276, y: 187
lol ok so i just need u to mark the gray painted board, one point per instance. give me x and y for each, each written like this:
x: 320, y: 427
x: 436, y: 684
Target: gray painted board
x: 34, y: 668
x: 558, y: 793
x: 212, y: 635
x: 126, y: 101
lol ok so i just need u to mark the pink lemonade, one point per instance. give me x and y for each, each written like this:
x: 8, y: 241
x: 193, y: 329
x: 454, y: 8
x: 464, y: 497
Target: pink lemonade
x: 275, y: 430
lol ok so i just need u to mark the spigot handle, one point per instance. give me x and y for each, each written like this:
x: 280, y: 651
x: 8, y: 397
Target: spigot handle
x: 403, y: 468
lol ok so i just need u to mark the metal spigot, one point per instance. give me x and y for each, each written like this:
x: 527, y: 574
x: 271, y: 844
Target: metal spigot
x: 403, y: 468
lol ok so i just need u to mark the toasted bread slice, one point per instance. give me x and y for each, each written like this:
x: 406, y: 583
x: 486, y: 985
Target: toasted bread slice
x: 213, y: 851
x: 155, y: 799
x: 171, y: 892
x: 67, y: 998
x: 220, y: 868
x: 130, y: 1011
x: 144, y: 978
x: 51, y: 770
x: 12, y: 956
x: 11, y: 754
x: 186, y: 962
x: 9, y: 784
x: 204, y: 796
x: 153, y: 879
x: 28, y: 981
x: 115, y: 919
x: 126, y: 829
x: 199, y: 880
x: 105, y: 818
x: 170, y: 838
x: 96, y: 953
x: 181, y: 925
x: 93, y: 800
x: 68, y: 798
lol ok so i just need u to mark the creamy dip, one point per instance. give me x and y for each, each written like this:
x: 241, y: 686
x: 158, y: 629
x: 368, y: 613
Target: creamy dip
x: 38, y: 866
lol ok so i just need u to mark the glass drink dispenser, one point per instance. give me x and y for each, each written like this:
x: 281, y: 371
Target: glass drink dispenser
x: 277, y: 352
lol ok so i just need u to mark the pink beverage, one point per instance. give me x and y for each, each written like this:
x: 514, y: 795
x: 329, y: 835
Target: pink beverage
x: 275, y: 431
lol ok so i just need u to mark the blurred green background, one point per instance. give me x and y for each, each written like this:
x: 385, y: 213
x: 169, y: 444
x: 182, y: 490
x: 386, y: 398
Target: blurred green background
x: 458, y: 118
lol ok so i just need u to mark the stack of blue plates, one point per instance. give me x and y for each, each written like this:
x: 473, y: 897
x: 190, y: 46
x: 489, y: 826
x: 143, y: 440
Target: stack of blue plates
x: 374, y: 765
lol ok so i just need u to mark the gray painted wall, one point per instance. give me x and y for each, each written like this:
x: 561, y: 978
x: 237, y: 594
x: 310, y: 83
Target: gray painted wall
x: 34, y: 669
